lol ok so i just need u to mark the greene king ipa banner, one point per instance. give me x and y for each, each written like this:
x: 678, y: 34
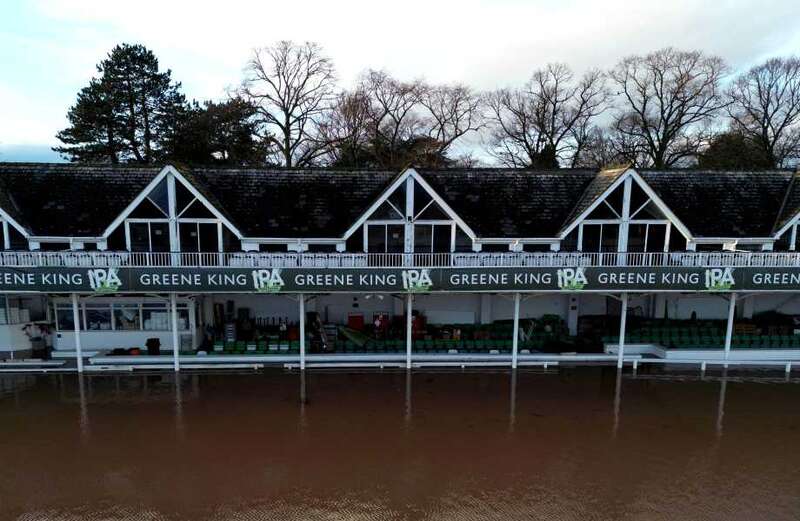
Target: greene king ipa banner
x: 396, y: 280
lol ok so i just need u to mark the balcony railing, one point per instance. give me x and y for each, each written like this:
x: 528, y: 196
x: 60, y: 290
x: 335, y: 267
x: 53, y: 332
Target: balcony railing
x: 104, y: 259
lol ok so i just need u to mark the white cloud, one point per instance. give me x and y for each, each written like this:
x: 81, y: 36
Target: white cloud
x: 484, y: 43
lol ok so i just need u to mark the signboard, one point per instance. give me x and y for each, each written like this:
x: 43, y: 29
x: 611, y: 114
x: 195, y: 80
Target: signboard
x: 396, y: 280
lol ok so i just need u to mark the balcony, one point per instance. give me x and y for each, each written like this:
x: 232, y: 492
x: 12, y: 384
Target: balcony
x: 99, y: 259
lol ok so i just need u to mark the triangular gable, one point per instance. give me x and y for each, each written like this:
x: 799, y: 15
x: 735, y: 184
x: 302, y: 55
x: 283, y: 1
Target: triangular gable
x: 398, y: 182
x: 789, y: 212
x: 605, y: 184
x: 184, y: 181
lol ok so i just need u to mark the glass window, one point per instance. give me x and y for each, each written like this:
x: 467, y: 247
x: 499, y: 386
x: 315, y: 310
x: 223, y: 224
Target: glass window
x: 395, y: 236
x: 140, y: 236
x: 98, y: 318
x: 376, y: 238
x: 189, y: 240
x: 423, y: 238
x: 3, y: 310
x: 126, y: 317
x: 441, y: 238
x: 64, y: 318
x: 159, y: 196
x: 155, y: 317
x: 159, y: 236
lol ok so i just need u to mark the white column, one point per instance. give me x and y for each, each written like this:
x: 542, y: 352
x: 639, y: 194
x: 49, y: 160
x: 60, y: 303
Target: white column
x: 622, y: 239
x: 173, y: 309
x: 302, y: 300
x: 409, y: 340
x: 729, y: 328
x: 622, y: 318
x: 515, y: 337
x: 76, y: 318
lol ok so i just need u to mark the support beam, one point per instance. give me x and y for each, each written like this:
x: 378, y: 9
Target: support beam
x: 515, y: 337
x: 76, y: 318
x: 729, y: 328
x: 409, y: 339
x: 623, y: 316
x: 302, y: 301
x: 176, y: 348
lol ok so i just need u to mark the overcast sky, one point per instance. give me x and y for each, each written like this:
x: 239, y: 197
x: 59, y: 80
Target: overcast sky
x: 49, y: 48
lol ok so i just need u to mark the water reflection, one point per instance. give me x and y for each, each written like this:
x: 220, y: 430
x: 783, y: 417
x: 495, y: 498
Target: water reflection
x: 236, y: 449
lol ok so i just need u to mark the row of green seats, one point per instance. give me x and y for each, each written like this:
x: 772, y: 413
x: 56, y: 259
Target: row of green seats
x: 738, y: 341
x: 240, y: 347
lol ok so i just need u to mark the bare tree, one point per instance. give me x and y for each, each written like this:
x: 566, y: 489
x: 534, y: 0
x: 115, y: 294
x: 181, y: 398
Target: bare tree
x: 544, y: 123
x: 668, y: 97
x: 765, y: 107
x: 452, y: 112
x: 291, y: 85
x: 345, y: 132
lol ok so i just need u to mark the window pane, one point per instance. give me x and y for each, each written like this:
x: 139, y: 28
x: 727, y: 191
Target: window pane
x: 441, y: 238
x: 396, y: 236
x: 610, y: 235
x: 188, y: 232
x: 140, y: 240
x: 126, y: 317
x: 155, y: 317
x: 64, y: 317
x: 636, y: 236
x: 423, y: 238
x: 160, y: 197
x: 656, y: 236
x: 159, y: 236
x: 590, y: 240
x: 208, y: 237
x: 376, y: 238
x: 98, y: 319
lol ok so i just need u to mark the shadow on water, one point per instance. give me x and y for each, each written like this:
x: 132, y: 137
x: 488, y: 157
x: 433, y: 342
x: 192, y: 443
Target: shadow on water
x: 576, y: 443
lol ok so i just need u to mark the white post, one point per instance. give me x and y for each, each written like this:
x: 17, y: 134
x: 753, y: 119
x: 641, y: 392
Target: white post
x: 173, y: 308
x: 76, y: 318
x: 302, y: 300
x: 515, y: 333
x: 409, y: 340
x: 622, y: 318
x: 729, y: 328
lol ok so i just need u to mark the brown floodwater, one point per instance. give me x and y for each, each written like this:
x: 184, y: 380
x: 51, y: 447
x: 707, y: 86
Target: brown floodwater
x: 566, y: 444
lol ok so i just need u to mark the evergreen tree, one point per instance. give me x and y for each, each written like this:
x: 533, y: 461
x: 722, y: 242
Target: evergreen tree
x: 734, y: 150
x: 126, y: 114
x: 222, y: 133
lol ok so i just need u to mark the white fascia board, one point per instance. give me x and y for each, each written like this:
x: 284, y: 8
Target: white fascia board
x: 292, y: 240
x: 791, y: 222
x: 740, y: 240
x: 527, y: 240
x: 578, y: 220
x: 441, y: 202
x: 21, y: 229
x: 210, y: 207
x: 661, y: 204
x: 136, y: 201
x: 398, y: 181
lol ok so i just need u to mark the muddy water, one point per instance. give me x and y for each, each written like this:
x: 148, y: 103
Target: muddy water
x: 573, y: 444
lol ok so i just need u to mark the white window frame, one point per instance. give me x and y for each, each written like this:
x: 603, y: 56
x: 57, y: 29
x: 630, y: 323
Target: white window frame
x: 149, y: 231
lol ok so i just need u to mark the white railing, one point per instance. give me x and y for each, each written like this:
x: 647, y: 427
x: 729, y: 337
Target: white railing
x: 395, y: 260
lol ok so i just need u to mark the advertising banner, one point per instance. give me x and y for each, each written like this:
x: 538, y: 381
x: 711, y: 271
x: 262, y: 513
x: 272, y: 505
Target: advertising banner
x: 396, y: 280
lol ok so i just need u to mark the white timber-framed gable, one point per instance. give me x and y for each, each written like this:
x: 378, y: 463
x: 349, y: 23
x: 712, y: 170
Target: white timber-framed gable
x: 409, y: 216
x: 627, y: 216
x: 170, y: 214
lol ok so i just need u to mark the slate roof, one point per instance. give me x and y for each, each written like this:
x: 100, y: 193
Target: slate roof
x: 82, y: 200
x: 722, y: 203
x: 288, y: 203
x: 510, y: 202
x: 63, y: 199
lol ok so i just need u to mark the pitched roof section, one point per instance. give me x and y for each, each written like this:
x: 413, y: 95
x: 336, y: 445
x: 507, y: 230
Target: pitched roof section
x: 283, y: 203
x: 510, y: 203
x: 68, y: 199
x: 791, y: 204
x: 599, y: 184
x: 722, y: 204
